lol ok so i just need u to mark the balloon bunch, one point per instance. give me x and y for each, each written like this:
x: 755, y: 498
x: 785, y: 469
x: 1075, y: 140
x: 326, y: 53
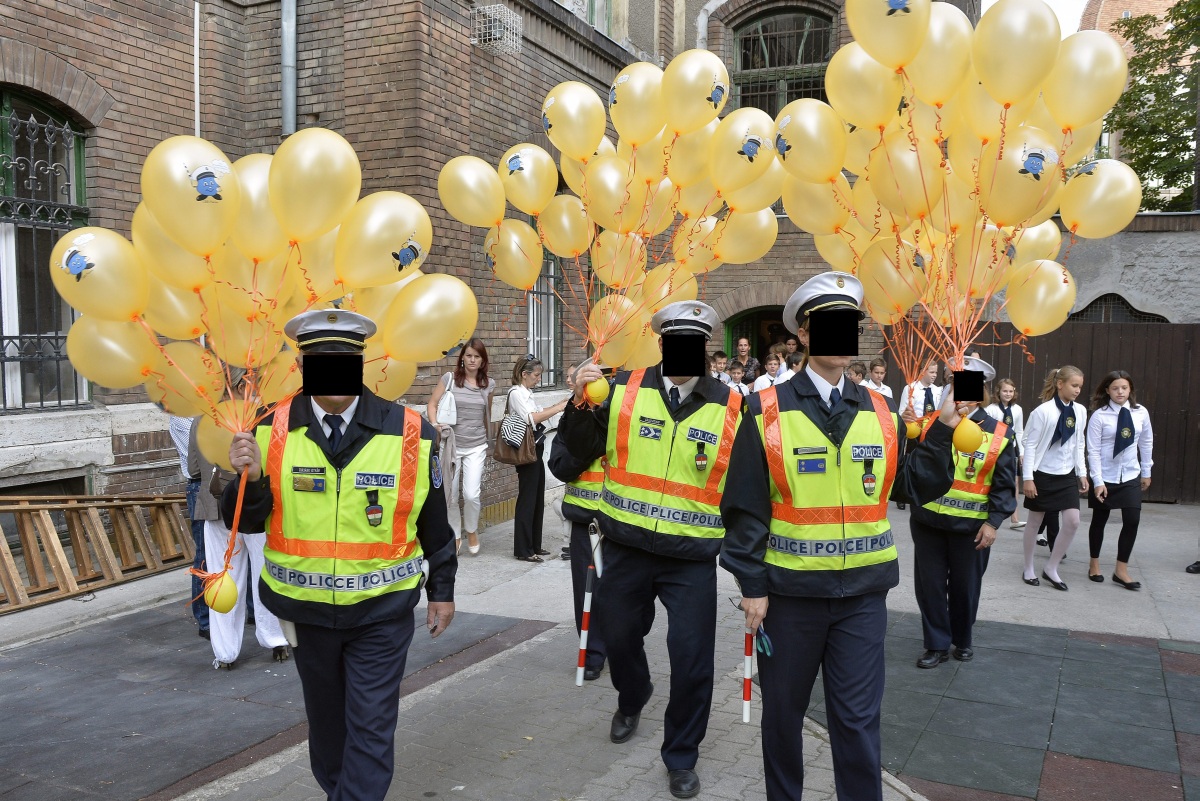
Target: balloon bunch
x: 680, y: 193
x: 224, y: 254
x: 965, y: 142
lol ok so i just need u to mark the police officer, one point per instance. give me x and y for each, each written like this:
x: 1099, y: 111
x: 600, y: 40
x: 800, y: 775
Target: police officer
x: 666, y: 440
x: 813, y: 465
x: 584, y: 480
x: 350, y: 496
x: 953, y: 535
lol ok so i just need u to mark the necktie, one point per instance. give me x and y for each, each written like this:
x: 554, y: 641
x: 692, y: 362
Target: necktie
x: 1124, y: 435
x: 1005, y: 414
x: 334, y: 421
x: 929, y: 407
x: 835, y: 398
x: 673, y: 395
x: 1065, y: 429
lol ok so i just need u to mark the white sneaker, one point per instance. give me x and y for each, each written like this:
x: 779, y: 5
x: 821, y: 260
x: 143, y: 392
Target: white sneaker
x: 1018, y: 524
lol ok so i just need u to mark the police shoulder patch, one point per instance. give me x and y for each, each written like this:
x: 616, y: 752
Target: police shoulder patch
x: 435, y: 471
x: 650, y: 432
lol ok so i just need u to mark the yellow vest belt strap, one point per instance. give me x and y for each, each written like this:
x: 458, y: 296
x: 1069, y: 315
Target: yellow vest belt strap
x: 853, y: 545
x: 352, y: 583
x: 653, y: 510
x: 585, y: 494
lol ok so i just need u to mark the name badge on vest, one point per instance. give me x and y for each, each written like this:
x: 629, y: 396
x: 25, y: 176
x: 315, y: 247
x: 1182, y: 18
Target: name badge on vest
x: 808, y: 466
x: 308, y: 484
x: 868, y: 473
x: 701, y: 457
x: 374, y: 480
x: 650, y: 432
x: 374, y: 510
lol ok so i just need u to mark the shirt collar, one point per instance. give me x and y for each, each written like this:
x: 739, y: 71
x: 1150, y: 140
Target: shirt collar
x: 1117, y: 408
x: 347, y: 416
x: 685, y: 388
x: 823, y: 386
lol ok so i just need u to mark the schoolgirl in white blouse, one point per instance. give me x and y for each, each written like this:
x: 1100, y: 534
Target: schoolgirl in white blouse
x: 1120, y: 443
x: 1053, y: 469
x: 1009, y: 413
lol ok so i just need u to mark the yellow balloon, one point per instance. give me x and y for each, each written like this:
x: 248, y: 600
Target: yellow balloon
x: 313, y: 267
x: 243, y: 287
x: 743, y: 237
x: 987, y: 117
x: 214, y: 434
x: 840, y: 251
x: 687, y: 162
x: 810, y: 139
x: 647, y: 160
x: 1100, y: 199
x: 165, y: 259
x: 645, y: 351
x: 863, y: 91
x: 982, y: 259
x: 243, y: 341
x: 695, y: 88
x: 171, y: 403
x: 820, y: 209
x: 957, y: 210
x: 189, y: 372
x: 699, y: 200
x: 871, y: 214
x: 940, y: 65
x: 760, y: 194
x: 573, y: 118
x: 618, y: 259
x: 471, y: 191
x: 635, y: 103
x: 1040, y: 298
x: 1049, y: 208
x: 192, y: 191
x: 1015, y: 45
x: 597, y: 391
x: 374, y: 302
x: 912, y: 430
x: 565, y: 227
x: 907, y: 179
x: 514, y: 254
x: 111, y: 354
x: 1013, y: 184
x: 614, y: 324
x: 891, y: 278
x: 314, y: 182
x: 256, y: 232
x: 968, y: 436
x: 221, y: 594
x: 742, y: 148
x: 385, y: 235
x: 692, y: 244
x: 615, y: 198
x: 386, y: 377
x: 859, y: 144
x: 891, y: 35
x: 925, y: 122
x: 99, y: 273
x: 667, y: 283
x: 175, y: 313
x: 1088, y: 78
x: 1082, y: 143
x: 279, y: 378
x: 529, y: 177
x: 430, y: 317
x: 1037, y: 242
x: 660, y: 209
x: 572, y: 169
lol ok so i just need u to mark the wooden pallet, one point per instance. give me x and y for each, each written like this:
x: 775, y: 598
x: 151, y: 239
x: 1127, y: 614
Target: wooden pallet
x: 111, y: 539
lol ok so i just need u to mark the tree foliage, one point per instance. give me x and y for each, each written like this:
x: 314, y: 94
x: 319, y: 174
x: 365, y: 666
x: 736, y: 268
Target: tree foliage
x: 1157, y: 115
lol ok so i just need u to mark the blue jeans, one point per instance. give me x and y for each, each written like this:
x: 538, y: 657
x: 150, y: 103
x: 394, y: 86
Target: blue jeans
x: 199, y: 608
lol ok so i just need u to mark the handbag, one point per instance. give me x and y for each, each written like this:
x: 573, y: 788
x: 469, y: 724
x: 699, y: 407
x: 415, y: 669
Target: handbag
x: 218, y: 481
x: 447, y: 412
x: 515, y: 429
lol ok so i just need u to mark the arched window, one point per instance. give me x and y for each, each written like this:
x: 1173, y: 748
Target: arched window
x: 781, y: 58
x: 41, y: 197
x: 1112, y: 308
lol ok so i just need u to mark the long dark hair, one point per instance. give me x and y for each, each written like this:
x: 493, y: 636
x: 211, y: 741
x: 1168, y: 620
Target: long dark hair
x: 460, y: 372
x: 1100, y: 396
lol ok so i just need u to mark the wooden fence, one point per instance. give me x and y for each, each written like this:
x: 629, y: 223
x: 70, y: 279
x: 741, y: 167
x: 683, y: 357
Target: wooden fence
x: 65, y: 545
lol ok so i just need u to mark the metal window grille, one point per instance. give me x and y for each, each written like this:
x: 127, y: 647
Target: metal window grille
x: 781, y: 58
x: 545, y: 322
x: 496, y: 29
x: 1112, y: 308
x: 41, y: 197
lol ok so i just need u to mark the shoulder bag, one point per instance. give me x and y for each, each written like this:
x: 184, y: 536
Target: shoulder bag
x: 447, y: 411
x: 515, y: 445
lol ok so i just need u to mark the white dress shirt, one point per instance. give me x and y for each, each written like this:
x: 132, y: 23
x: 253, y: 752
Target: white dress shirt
x: 1018, y: 421
x: 920, y: 389
x: 1132, y: 462
x: 180, y: 428
x: 882, y: 389
x: 1056, y: 460
x: 739, y: 388
x: 762, y: 382
x: 685, y: 388
x: 824, y: 387
x: 347, y: 416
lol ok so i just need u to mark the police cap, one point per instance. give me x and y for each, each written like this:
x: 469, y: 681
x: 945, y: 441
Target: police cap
x: 831, y: 290
x: 330, y: 331
x: 685, y: 317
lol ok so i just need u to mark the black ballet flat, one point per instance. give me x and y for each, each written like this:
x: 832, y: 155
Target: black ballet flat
x: 1033, y: 582
x: 1129, y: 585
x: 1058, y: 585
x: 1096, y: 578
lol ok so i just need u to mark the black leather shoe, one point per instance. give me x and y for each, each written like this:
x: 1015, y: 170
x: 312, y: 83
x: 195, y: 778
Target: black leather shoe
x: 931, y: 659
x: 1095, y: 577
x: 623, y: 726
x: 683, y: 783
x: 592, y: 673
x: 1194, y: 567
x: 1033, y: 582
x: 205, y: 635
x: 1058, y: 585
x: 964, y: 654
x: 1129, y: 585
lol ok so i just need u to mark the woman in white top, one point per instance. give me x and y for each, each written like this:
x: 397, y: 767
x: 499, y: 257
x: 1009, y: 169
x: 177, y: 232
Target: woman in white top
x: 1119, y: 445
x: 531, y: 478
x: 1011, y: 415
x: 472, y: 392
x: 1053, y: 470
x: 767, y: 378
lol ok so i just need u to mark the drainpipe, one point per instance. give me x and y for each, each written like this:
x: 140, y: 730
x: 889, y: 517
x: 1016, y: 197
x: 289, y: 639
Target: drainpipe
x: 196, y: 65
x: 287, y: 52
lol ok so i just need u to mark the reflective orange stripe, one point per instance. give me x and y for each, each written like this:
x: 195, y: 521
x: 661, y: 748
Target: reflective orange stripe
x: 406, y: 490
x: 980, y: 487
x: 786, y: 510
x: 733, y: 407
x: 623, y: 419
x: 932, y: 417
x: 594, y: 478
x: 672, y: 488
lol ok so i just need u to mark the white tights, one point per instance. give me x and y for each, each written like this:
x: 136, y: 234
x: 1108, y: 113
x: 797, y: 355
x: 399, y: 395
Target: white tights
x: 1068, y: 526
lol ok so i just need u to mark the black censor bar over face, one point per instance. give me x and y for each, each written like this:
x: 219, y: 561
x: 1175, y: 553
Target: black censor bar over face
x: 968, y: 386
x: 333, y: 374
x: 833, y: 332
x: 683, y: 355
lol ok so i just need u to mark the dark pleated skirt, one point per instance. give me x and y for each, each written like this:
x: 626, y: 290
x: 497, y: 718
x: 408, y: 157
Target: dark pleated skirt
x: 1127, y: 495
x: 1055, y: 493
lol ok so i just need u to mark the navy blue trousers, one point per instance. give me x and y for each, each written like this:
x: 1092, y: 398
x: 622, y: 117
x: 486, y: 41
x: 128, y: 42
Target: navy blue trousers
x: 351, y: 681
x: 633, y: 579
x: 947, y: 577
x: 843, y: 637
x: 581, y: 557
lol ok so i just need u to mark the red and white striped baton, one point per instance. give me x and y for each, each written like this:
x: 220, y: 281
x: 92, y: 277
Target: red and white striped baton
x: 746, y: 677
x: 585, y: 623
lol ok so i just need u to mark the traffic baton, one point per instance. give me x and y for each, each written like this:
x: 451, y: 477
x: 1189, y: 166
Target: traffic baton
x: 586, y: 622
x: 748, y: 673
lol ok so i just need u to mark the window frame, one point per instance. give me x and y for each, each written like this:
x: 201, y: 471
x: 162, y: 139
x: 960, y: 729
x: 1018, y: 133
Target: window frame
x: 812, y: 73
x: 545, y: 309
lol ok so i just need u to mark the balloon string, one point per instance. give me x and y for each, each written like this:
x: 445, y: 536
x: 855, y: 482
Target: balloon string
x: 209, y: 578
